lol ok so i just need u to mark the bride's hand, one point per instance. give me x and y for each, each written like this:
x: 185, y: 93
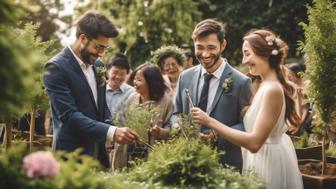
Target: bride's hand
x: 199, y: 117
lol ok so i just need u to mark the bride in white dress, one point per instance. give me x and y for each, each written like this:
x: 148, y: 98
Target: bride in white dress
x: 267, y: 150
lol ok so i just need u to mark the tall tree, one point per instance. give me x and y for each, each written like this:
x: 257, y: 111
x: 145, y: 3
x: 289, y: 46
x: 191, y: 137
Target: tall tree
x: 320, y: 47
x: 16, y: 73
x: 46, y: 16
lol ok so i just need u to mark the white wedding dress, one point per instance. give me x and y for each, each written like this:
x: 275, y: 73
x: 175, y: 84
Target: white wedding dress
x: 275, y: 162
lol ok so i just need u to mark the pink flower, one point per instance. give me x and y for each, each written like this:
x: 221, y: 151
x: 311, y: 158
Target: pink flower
x: 41, y: 164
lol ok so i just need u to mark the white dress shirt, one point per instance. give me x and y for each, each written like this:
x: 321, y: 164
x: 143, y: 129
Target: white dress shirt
x: 214, y: 83
x: 89, y: 74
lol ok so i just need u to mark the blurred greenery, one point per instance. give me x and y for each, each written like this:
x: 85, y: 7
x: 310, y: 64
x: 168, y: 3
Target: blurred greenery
x: 281, y: 16
x: 16, y: 73
x: 144, y: 28
x: 46, y: 16
x: 320, y: 48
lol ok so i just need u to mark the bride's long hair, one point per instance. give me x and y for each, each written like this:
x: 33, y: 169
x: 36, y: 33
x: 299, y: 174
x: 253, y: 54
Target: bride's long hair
x: 266, y: 43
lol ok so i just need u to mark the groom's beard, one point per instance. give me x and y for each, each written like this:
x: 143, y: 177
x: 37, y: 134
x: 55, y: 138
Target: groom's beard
x: 86, y: 56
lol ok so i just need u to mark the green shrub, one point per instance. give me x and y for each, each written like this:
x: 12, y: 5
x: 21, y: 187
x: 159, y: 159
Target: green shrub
x: 184, y: 163
x: 76, y: 171
x: 12, y: 174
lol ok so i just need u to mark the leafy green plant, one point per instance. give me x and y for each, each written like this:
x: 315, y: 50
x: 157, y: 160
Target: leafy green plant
x: 17, y: 70
x: 38, y: 97
x: 189, y: 130
x: 184, y: 163
x: 138, y: 118
x: 332, y: 149
x: 78, y: 171
x: 320, y: 48
x: 12, y: 174
x: 305, y: 141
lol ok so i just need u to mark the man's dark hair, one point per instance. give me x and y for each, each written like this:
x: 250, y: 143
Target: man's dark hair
x: 94, y: 24
x: 207, y: 27
x: 119, y: 60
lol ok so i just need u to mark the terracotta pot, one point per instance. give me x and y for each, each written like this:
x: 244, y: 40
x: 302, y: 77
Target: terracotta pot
x: 317, y: 181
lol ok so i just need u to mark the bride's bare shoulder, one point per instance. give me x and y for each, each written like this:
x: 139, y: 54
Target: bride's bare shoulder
x: 272, y: 89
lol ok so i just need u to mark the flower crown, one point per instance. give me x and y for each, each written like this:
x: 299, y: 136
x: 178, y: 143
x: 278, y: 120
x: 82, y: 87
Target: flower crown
x: 271, y: 41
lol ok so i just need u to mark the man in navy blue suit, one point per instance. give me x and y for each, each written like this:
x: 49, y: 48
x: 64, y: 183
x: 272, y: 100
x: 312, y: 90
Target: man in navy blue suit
x: 80, y: 115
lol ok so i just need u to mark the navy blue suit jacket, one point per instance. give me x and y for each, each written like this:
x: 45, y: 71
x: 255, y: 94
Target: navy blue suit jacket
x: 77, y: 121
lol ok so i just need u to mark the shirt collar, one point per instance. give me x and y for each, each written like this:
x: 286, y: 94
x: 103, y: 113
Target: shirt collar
x: 217, y: 73
x: 121, y: 88
x: 80, y: 62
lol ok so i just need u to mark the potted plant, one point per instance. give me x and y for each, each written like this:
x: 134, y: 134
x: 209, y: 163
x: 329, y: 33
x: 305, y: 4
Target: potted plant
x: 320, y: 48
x: 307, y: 147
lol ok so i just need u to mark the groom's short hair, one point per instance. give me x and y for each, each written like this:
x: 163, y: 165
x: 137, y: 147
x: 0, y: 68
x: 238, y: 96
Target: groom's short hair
x: 93, y: 24
x: 207, y: 27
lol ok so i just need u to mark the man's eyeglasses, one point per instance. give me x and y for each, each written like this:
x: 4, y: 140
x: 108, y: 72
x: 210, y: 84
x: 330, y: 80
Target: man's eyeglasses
x: 99, y: 47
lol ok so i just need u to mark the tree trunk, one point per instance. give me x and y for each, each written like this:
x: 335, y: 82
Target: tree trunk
x: 324, y: 159
x: 8, y: 135
x: 32, y: 128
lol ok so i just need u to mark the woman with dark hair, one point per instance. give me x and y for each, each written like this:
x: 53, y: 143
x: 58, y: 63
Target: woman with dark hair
x: 151, y: 92
x: 151, y: 89
x: 267, y: 150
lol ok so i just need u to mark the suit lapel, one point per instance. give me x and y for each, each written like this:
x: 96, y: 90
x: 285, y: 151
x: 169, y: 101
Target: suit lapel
x: 76, y: 67
x: 195, y: 83
x: 100, y: 90
x: 227, y: 72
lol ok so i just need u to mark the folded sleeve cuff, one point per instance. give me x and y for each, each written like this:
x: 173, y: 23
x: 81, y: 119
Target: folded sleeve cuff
x: 110, y: 133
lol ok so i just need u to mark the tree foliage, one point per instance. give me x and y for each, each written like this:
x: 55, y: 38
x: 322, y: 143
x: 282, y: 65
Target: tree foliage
x: 47, y: 17
x: 16, y: 73
x: 281, y: 16
x: 320, y: 48
x: 38, y: 97
x: 147, y: 25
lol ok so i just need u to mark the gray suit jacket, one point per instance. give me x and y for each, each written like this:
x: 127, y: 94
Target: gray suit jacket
x: 226, y: 107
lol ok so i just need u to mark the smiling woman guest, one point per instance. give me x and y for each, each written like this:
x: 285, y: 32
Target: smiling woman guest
x: 170, y: 59
x: 151, y: 92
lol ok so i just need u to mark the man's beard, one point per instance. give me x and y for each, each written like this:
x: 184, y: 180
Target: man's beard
x: 215, y: 58
x: 86, y: 55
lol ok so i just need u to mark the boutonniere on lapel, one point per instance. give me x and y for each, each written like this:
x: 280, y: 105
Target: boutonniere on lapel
x: 101, y: 76
x: 227, y: 84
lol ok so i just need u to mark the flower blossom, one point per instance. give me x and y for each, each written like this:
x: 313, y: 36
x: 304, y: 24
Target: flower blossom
x: 40, y: 164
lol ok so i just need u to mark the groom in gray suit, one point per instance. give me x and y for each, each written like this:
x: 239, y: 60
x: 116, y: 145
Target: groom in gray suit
x: 215, y: 87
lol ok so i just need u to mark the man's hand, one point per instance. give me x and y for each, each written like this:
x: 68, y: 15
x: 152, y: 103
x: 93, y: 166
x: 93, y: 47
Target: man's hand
x: 154, y: 131
x: 176, y: 128
x: 125, y: 135
x: 208, y: 138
